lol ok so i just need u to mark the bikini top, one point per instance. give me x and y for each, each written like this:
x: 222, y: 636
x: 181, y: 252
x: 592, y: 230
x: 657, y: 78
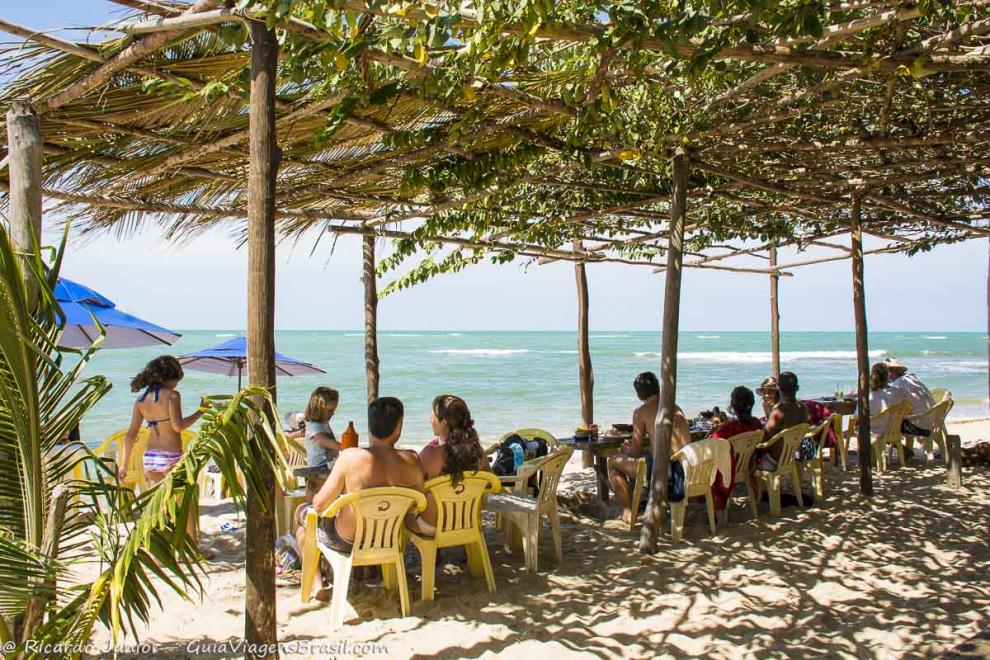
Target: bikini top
x: 153, y: 423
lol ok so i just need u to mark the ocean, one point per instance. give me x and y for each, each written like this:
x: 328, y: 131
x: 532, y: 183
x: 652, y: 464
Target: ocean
x: 530, y: 379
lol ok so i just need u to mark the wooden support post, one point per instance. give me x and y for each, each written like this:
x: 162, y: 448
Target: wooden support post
x: 862, y: 352
x: 259, y: 606
x: 586, y: 375
x: 774, y: 317
x: 24, y: 160
x: 49, y: 547
x: 663, y: 430
x: 370, y: 318
x: 953, y: 461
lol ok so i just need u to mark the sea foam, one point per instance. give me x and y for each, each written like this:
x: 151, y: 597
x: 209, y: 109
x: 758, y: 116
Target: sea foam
x: 759, y: 356
x: 482, y: 352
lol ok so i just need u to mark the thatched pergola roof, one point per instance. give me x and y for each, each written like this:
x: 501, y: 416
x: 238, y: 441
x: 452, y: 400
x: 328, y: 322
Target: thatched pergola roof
x: 543, y: 132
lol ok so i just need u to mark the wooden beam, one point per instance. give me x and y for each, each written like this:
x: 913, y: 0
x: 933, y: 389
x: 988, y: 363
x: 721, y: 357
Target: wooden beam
x: 832, y: 35
x: 894, y: 205
x: 586, y: 375
x: 371, y: 362
x: 663, y: 431
x: 890, y: 249
x: 93, y: 55
x: 862, y: 353
x: 182, y: 22
x: 774, y: 316
x: 122, y: 60
x: 259, y: 607
x: 24, y: 148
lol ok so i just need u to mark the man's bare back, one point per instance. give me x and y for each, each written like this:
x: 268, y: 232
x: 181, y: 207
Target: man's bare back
x: 644, y: 422
x: 358, y: 468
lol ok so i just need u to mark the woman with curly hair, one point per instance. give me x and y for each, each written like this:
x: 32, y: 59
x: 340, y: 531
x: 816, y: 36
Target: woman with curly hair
x: 455, y: 450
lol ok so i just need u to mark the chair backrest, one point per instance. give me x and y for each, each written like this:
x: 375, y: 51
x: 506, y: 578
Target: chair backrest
x: 295, y: 455
x: 459, y: 506
x: 533, y: 434
x: 791, y: 440
x: 940, y: 410
x: 940, y: 394
x: 114, y: 446
x: 819, y: 434
x: 895, y: 415
x: 550, y: 468
x: 379, y: 515
x: 743, y: 446
x: 698, y: 477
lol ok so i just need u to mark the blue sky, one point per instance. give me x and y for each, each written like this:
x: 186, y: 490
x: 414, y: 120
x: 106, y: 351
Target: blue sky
x: 202, y: 284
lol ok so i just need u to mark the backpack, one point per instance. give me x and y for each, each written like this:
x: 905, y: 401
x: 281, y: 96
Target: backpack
x: 504, y: 465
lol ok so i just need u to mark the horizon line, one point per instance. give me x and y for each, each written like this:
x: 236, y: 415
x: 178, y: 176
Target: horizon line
x: 592, y: 332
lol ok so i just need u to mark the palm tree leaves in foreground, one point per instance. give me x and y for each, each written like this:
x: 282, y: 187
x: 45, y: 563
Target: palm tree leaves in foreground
x: 140, y: 542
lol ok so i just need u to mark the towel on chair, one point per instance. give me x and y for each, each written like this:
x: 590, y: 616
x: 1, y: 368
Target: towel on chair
x: 715, y: 449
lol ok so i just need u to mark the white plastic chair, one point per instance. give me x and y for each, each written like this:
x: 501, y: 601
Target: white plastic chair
x: 526, y: 513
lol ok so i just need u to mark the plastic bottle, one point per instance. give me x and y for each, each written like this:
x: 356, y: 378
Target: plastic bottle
x: 349, y: 438
x: 517, y: 456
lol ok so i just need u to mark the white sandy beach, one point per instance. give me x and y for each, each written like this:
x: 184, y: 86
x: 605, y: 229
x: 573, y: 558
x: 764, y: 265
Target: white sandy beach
x: 904, y: 574
x: 970, y: 430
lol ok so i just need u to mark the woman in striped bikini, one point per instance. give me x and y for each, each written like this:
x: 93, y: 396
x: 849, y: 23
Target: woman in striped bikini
x: 160, y: 409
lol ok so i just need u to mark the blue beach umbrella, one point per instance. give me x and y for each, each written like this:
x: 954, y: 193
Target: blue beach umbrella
x: 83, y: 307
x: 230, y: 357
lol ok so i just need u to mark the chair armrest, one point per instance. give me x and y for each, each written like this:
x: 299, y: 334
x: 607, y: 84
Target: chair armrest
x: 769, y: 443
x: 312, y: 520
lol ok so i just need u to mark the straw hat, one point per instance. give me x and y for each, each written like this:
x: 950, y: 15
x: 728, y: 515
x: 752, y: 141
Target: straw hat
x: 894, y: 365
x: 769, y: 383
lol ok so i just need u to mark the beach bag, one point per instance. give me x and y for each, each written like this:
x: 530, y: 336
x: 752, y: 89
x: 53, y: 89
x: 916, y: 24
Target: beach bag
x: 675, y: 482
x: 503, y: 465
x: 806, y: 450
x: 540, y: 450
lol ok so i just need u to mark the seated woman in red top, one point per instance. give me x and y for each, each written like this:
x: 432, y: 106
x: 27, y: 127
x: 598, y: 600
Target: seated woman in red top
x: 741, y: 403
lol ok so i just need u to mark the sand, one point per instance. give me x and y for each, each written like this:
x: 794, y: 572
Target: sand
x: 902, y: 574
x: 970, y: 431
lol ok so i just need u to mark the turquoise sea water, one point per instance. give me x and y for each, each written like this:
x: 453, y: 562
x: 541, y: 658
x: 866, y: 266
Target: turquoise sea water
x: 520, y: 379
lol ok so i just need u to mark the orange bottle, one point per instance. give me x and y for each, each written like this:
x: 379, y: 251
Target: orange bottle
x: 349, y: 438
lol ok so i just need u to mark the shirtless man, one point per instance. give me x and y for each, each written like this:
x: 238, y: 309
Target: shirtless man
x: 622, y: 468
x: 381, y: 464
x: 787, y: 413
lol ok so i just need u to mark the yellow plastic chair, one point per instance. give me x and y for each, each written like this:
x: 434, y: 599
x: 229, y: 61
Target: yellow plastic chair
x: 286, y: 502
x: 527, y: 434
x: 815, y: 466
x: 891, y: 436
x: 378, y: 541
x: 525, y: 513
x: 936, y: 414
x: 697, y: 483
x: 637, y: 493
x: 743, y: 446
x: 114, y: 445
x: 786, y: 466
x: 458, y: 524
x: 841, y: 446
x: 940, y: 394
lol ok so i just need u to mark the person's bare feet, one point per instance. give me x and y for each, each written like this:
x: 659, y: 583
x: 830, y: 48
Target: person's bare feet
x: 626, y: 516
